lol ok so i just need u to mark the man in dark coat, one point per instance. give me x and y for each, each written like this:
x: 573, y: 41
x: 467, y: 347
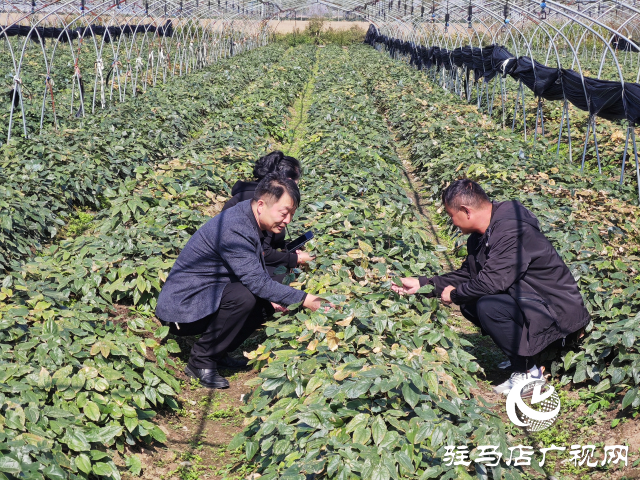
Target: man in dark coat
x: 273, y: 244
x: 219, y: 286
x: 513, y: 284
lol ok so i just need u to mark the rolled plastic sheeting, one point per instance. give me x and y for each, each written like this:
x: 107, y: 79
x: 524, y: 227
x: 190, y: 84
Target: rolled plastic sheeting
x: 607, y: 99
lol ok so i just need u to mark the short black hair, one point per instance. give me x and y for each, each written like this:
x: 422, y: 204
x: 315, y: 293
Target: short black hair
x: 464, y: 192
x: 277, y: 161
x: 273, y: 186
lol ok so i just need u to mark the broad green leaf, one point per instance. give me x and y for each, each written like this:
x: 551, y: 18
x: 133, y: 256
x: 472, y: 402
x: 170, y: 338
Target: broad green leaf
x: 92, y: 411
x: 15, y: 418
x: 9, y: 465
x: 130, y: 423
x: 134, y: 463
x: 83, y: 463
x: 250, y: 449
x: 378, y: 429
x: 101, y: 468
x: 54, y: 472
x: 410, y: 394
x: 362, y: 435
x: 76, y: 440
x: 629, y: 397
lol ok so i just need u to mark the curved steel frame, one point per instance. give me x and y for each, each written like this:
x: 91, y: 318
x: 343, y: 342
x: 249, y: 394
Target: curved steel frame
x: 77, y: 74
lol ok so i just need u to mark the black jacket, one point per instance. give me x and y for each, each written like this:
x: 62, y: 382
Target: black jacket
x: 271, y: 242
x: 514, y: 257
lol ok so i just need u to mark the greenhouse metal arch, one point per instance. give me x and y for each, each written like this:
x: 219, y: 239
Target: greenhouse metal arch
x: 70, y: 57
x: 582, y: 55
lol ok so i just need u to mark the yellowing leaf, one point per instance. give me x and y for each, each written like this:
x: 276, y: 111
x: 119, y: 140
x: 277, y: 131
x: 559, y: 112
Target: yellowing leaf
x: 95, y: 348
x: 312, y: 345
x: 355, y: 253
x: 365, y: 247
x: 305, y: 337
x: 44, y: 379
x: 313, y: 384
x: 332, y: 340
x: 448, y: 382
x: 345, y: 322
x: 442, y: 353
x: 89, y: 372
x: 316, y: 328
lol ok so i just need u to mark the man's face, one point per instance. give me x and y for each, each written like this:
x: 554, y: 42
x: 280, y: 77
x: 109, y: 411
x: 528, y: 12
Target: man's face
x: 275, y: 215
x: 462, y: 217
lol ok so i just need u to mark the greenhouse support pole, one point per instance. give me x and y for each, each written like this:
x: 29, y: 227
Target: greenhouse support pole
x: 569, y: 135
x: 565, y: 111
x: 635, y: 154
x: 586, y: 142
x: 624, y: 154
x: 503, y: 101
x: 595, y: 141
x: 539, y: 120
x: 493, y: 98
x: 524, y: 112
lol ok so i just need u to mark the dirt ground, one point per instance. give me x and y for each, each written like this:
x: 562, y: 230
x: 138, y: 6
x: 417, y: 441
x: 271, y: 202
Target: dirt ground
x: 198, y: 434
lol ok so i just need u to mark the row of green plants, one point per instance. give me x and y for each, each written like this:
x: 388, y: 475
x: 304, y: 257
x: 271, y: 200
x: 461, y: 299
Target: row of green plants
x: 592, y: 223
x: 317, y: 33
x: 375, y: 388
x: 44, y: 178
x: 79, y: 385
x: 145, y: 221
x: 126, y: 61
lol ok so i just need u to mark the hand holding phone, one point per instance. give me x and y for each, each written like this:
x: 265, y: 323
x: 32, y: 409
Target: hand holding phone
x: 299, y: 242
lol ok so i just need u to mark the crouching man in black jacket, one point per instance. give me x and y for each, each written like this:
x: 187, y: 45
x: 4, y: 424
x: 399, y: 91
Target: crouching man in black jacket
x: 513, y: 284
x: 273, y: 244
x: 219, y: 286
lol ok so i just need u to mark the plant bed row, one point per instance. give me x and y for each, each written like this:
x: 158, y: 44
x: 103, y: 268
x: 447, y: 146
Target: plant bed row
x: 75, y: 386
x: 378, y: 386
x: 593, y: 224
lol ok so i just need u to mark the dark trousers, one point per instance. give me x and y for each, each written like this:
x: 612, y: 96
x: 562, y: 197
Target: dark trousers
x: 500, y: 317
x: 239, y: 315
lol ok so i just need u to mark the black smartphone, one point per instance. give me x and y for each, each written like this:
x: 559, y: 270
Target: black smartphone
x: 299, y: 242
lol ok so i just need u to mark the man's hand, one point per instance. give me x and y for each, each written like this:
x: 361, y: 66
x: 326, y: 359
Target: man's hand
x: 279, y: 308
x: 314, y: 303
x: 304, y: 257
x: 446, y: 294
x: 409, y: 286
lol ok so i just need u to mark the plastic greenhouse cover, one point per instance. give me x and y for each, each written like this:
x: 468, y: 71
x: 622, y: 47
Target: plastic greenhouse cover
x: 110, y: 33
x: 605, y: 98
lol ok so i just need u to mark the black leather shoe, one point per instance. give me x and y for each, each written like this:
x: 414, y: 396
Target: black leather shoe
x: 232, y: 362
x: 209, y: 377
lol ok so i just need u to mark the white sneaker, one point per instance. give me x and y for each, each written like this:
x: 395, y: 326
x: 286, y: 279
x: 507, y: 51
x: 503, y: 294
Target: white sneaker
x: 517, y: 377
